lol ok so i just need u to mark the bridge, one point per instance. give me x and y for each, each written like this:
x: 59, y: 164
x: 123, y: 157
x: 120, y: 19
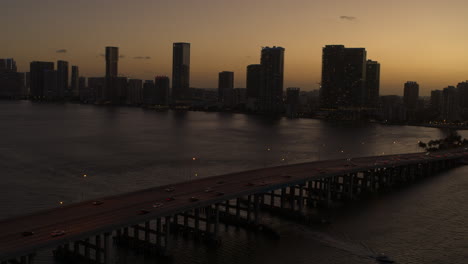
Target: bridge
x: 146, y: 220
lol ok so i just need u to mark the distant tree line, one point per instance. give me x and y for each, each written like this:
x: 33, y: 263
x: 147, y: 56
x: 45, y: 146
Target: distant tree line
x: 452, y: 140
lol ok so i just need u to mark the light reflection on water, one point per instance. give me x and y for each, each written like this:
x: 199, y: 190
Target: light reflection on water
x: 46, y: 149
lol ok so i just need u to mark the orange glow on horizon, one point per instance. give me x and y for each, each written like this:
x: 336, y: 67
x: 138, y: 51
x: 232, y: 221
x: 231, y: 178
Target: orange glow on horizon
x: 412, y: 41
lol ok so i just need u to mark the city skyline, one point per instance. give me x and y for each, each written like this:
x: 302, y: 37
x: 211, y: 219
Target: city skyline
x: 385, y: 30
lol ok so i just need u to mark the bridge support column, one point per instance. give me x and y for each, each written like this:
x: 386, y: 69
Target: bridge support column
x: 98, y: 245
x: 158, y: 234
x: 256, y: 208
x: 292, y: 197
x: 329, y: 192
x: 249, y: 205
x: 167, y: 235
x: 86, y: 249
x: 207, y: 219
x: 186, y: 223
x: 106, y: 252
x: 272, y: 198
x: 31, y: 258
x: 352, y: 176
x: 216, y: 222
x: 301, y: 198
x: 147, y: 233
x: 283, y: 194
x: 310, y: 202
x: 238, y: 209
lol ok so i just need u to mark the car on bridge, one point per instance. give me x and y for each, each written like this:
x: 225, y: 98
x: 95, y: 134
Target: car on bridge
x: 27, y: 233
x: 143, y: 211
x: 57, y: 233
x: 157, y: 205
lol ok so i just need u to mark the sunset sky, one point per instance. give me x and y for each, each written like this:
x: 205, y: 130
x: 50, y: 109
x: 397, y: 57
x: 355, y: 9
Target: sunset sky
x: 418, y: 40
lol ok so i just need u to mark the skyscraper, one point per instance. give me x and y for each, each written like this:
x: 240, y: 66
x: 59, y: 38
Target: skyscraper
x: 162, y: 90
x: 37, y: 70
x: 225, y: 87
x: 372, y: 83
x: 411, y: 95
x: 463, y: 95
x: 8, y: 65
x: 149, y: 93
x: 84, y: 93
x: 135, y: 92
x: 180, y: 72
x: 11, y: 82
x: 62, y: 79
x: 51, y: 90
x: 75, y: 81
x: 112, y: 59
x: 343, y: 77
x: 436, y: 102
x: 96, y: 87
x: 271, y: 92
x: 254, y: 82
x: 450, y: 104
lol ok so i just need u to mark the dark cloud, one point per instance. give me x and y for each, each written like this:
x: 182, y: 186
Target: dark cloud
x: 142, y: 57
x: 61, y: 51
x: 349, y: 18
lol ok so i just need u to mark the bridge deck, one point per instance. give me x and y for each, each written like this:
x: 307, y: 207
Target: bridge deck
x: 84, y: 219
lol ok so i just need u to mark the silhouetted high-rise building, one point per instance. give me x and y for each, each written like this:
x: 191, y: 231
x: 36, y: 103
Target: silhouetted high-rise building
x: 149, y: 93
x: 8, y: 65
x: 37, y: 70
x: 112, y: 60
x: 271, y: 92
x: 411, y: 95
x: 135, y: 92
x: 254, y: 82
x: 51, y: 90
x: 436, y: 101
x: 372, y: 83
x: 239, y: 97
x: 96, y: 87
x: 180, y: 72
x: 343, y: 77
x: 225, y: 88
x: 62, y: 79
x: 119, y: 90
x: 11, y: 82
x: 450, y: 106
x: 463, y: 95
x: 84, y: 92
x: 75, y: 81
x: 162, y: 85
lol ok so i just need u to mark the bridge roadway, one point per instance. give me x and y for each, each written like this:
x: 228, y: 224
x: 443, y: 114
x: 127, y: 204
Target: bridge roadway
x: 83, y: 220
